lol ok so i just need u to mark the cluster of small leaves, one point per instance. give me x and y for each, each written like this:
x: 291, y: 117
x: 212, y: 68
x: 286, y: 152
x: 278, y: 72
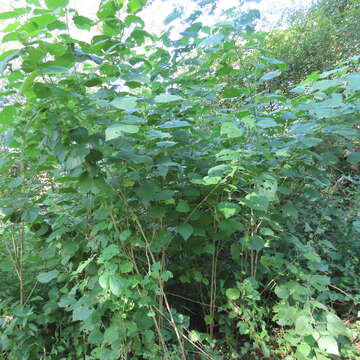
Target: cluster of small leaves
x: 158, y: 202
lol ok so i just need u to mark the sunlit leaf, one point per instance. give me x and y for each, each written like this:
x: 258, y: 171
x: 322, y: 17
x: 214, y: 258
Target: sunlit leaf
x: 185, y: 230
x: 166, y: 98
x: 55, y: 4
x: 46, y: 277
x: 270, y: 75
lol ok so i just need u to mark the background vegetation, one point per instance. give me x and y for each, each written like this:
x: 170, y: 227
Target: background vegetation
x: 195, y: 198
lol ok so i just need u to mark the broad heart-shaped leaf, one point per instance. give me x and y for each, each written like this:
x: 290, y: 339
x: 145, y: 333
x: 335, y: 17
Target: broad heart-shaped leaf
x: 212, y: 40
x: 228, y: 209
x: 185, y: 230
x: 183, y: 206
x: 46, y: 277
x: 335, y: 326
x: 81, y: 313
x: 117, y: 284
x: 304, y: 349
x: 231, y: 130
x: 125, y: 103
x: 220, y: 170
x: 303, y: 326
x: 266, y: 186
x: 125, y: 267
x: 329, y: 345
x: 353, y: 81
x: 354, y: 158
x: 55, y: 4
x: 256, y: 201
x: 267, y: 123
x: 256, y: 243
x: 165, y: 98
x: 282, y: 291
x: 135, y: 5
x: 270, y: 75
x: 232, y: 293
x: 116, y: 130
x: 172, y: 124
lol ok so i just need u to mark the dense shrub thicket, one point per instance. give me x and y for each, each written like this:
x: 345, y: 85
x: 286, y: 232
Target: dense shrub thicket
x: 160, y: 199
x: 325, y: 34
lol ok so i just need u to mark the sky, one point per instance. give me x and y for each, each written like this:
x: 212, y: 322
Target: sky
x: 153, y: 15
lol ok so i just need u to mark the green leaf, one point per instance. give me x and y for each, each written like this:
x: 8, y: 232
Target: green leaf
x: 125, y: 235
x: 83, y: 22
x: 266, y: 185
x: 256, y: 243
x: 353, y: 158
x: 267, y: 123
x: 282, y: 291
x: 353, y: 81
x: 116, y: 130
x: 323, y: 85
x: 183, y: 206
x: 27, y: 86
x: 231, y: 130
x: 329, y: 345
x: 164, y: 195
x: 30, y: 214
x: 270, y: 75
x: 303, y: 349
x: 173, y: 124
x: 81, y: 313
x: 14, y: 13
x: 185, y: 230
x: 232, y: 293
x: 7, y: 115
x: 104, y: 280
x: 34, y: 2
x: 166, y: 98
x: 228, y: 209
x: 356, y: 226
x: 220, y: 170
x: 83, y: 265
x: 165, y: 143
x: 46, y: 277
x: 272, y: 61
x: 53, y: 69
x: 303, y: 326
x: 172, y: 16
x: 126, y: 267
x: 335, y: 326
x: 125, y: 103
x: 108, y: 253
x: 256, y: 201
x: 44, y: 20
x: 13, y: 184
x: 117, y: 284
x: 266, y: 231
x: 55, y: 4
x: 135, y: 5
x: 212, y: 40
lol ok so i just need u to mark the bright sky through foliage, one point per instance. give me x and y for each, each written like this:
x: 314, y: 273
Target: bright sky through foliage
x: 271, y: 10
